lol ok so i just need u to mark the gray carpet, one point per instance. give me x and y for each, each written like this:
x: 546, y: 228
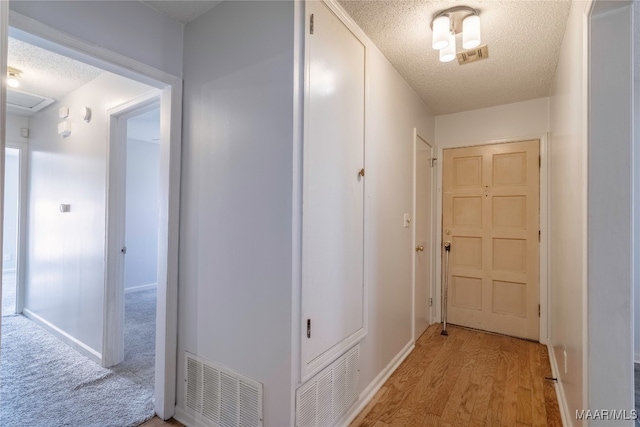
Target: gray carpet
x: 45, y: 383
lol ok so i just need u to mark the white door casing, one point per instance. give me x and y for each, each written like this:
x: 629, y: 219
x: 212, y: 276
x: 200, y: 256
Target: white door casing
x: 423, y: 235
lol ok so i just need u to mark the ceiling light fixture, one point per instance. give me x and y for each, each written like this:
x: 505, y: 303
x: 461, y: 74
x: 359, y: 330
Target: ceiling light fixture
x: 449, y: 22
x: 13, y: 74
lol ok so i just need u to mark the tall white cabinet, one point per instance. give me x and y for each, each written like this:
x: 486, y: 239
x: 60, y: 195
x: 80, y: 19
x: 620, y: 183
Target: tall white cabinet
x: 333, y: 305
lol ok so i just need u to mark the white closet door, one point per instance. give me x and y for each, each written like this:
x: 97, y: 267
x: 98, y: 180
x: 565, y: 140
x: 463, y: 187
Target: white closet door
x: 333, y: 189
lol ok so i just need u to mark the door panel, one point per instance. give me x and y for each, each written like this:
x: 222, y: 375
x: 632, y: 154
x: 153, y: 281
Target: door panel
x: 333, y: 190
x: 491, y: 217
x: 423, y: 236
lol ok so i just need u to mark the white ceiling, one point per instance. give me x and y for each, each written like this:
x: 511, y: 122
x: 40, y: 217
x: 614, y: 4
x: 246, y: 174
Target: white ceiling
x: 46, y: 73
x: 182, y: 11
x: 523, y: 38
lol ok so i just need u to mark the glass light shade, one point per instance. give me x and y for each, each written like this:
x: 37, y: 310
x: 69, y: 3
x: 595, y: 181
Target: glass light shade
x: 440, y: 32
x: 471, y: 32
x: 449, y: 53
x: 13, y: 82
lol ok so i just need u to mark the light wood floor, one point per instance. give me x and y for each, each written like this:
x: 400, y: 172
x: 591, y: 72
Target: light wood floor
x: 157, y: 422
x: 469, y: 378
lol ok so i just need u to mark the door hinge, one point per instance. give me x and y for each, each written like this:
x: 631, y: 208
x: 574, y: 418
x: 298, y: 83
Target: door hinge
x: 539, y: 236
x: 308, y: 328
x: 434, y: 160
x: 311, y: 24
x: 430, y: 302
x: 538, y: 310
x: 539, y: 162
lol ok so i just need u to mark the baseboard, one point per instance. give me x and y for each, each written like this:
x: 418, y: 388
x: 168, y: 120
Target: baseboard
x: 141, y: 288
x: 370, y: 391
x: 189, y: 420
x: 562, y: 400
x: 71, y: 341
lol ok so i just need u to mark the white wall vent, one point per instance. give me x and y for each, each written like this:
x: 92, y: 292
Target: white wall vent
x: 26, y: 102
x: 219, y: 396
x: 323, y: 399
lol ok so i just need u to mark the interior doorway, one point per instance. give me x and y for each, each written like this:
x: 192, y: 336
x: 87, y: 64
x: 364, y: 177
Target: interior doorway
x: 12, y: 227
x: 167, y: 89
x: 133, y: 221
x: 424, y: 233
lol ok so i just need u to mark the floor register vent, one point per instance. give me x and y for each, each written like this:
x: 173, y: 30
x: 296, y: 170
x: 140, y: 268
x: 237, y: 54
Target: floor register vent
x: 327, y: 396
x: 220, y: 397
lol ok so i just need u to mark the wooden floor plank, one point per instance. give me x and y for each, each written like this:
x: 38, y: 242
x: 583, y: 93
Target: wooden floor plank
x: 469, y: 378
x: 157, y: 422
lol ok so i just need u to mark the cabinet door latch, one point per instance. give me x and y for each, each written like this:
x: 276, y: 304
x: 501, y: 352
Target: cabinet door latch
x: 308, y: 328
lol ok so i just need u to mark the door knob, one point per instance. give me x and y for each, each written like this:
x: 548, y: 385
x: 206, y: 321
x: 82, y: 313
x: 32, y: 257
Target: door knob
x: 419, y: 248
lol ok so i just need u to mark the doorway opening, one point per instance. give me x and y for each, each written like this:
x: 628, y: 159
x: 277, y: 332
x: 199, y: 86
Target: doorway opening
x: 12, y: 226
x: 78, y: 156
x: 423, y: 235
x: 133, y: 206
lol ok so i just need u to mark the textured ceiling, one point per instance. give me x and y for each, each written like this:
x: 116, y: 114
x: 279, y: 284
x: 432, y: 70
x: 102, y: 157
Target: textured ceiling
x: 182, y: 11
x: 46, y: 73
x: 523, y: 38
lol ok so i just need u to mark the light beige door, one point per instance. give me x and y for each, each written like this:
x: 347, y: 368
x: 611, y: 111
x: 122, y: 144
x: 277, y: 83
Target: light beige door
x: 491, y: 197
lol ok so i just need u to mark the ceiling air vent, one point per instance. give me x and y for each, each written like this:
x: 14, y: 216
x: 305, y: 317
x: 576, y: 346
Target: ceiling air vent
x: 472, y: 55
x: 25, y: 101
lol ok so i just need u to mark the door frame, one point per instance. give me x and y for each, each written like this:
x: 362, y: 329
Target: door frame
x: 113, y: 316
x: 21, y: 240
x: 544, y: 226
x: 432, y: 242
x: 170, y: 154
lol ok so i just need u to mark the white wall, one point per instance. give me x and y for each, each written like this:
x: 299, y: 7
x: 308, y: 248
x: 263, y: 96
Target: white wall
x: 14, y: 124
x: 610, y: 178
x: 10, y: 220
x: 636, y: 225
x: 127, y: 27
x: 393, y: 110
x: 567, y: 156
x: 236, y: 227
x: 10, y: 227
x: 504, y: 122
x: 65, y: 255
x: 141, y: 231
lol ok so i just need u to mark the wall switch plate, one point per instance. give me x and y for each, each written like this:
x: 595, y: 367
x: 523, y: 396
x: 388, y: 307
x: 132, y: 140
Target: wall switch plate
x: 407, y: 220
